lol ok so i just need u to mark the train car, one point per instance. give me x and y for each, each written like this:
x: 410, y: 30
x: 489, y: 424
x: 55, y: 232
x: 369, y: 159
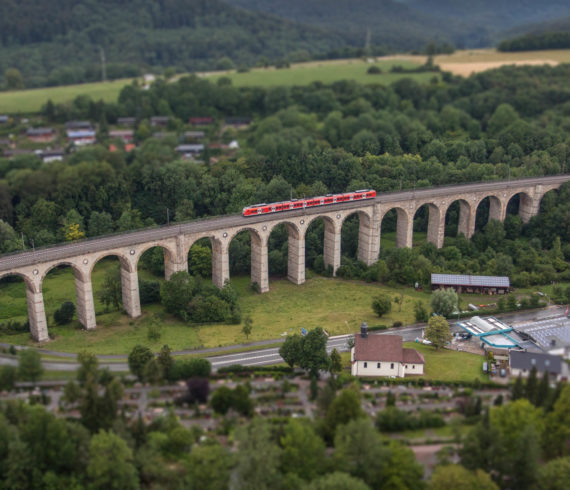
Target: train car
x: 293, y: 204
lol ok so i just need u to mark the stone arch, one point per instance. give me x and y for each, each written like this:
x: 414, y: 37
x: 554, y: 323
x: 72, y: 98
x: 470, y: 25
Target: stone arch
x: 77, y: 271
x: 528, y: 205
x: 435, y: 221
x: 28, y: 281
x: 549, y: 190
x: 129, y: 279
x: 126, y: 263
x: 259, y: 266
x: 35, y: 305
x: 466, y: 216
x: 364, y: 226
x: 147, y: 246
x: 169, y: 255
x: 331, y: 239
x: 404, y: 225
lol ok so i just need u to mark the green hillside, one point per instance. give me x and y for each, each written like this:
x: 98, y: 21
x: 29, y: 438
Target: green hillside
x: 60, y: 42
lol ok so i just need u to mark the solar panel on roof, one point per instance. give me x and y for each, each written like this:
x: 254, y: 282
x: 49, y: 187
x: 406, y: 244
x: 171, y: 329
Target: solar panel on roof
x: 465, y: 280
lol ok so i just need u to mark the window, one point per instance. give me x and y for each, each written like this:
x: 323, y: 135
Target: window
x: 365, y: 364
x: 378, y: 365
x: 392, y: 366
x: 413, y: 366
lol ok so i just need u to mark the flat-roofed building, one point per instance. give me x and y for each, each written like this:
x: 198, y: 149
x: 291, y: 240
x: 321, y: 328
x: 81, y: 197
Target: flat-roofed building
x: 471, y: 284
x: 492, y: 333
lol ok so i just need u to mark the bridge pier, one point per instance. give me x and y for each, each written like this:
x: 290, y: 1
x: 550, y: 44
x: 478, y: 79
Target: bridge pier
x: 436, y: 226
x: 130, y: 290
x: 259, y: 262
x: 368, y: 238
x: 296, y: 255
x: 497, y: 210
x: 178, y: 263
x: 404, y: 230
x: 85, y: 303
x: 331, y: 250
x: 220, y: 263
x: 528, y: 207
x: 467, y: 214
x: 37, y: 315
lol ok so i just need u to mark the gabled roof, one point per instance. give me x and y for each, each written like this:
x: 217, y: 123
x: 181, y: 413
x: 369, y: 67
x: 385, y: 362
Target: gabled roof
x: 384, y: 348
x: 412, y: 356
x: 542, y: 362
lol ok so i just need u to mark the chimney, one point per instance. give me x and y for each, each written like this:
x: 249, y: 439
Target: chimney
x: 364, y: 330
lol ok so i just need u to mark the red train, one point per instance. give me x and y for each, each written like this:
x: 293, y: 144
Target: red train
x: 277, y: 207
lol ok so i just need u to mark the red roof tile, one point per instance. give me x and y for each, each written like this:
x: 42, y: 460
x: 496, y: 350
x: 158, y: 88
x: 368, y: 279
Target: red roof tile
x: 378, y: 348
x: 412, y: 356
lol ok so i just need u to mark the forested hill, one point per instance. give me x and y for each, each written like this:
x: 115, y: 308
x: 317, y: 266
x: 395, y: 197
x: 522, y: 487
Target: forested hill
x: 59, y: 41
x: 409, y: 24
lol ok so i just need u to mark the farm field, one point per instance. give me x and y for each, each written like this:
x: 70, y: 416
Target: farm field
x: 466, y: 62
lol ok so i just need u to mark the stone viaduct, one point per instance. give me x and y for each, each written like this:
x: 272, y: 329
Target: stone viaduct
x: 176, y: 241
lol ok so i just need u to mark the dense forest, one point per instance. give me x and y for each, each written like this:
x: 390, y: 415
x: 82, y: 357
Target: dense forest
x: 506, y: 123
x: 535, y: 42
x: 62, y: 42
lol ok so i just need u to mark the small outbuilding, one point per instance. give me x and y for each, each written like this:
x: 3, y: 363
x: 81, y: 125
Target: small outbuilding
x: 383, y: 355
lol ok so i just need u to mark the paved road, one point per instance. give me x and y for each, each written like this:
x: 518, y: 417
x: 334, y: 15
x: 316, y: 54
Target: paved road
x: 62, y: 251
x: 271, y: 355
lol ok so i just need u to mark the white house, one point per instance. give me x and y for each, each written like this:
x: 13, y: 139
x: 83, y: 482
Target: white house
x: 383, y: 355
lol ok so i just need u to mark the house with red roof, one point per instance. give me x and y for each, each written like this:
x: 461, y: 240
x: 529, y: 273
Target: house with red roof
x: 383, y: 355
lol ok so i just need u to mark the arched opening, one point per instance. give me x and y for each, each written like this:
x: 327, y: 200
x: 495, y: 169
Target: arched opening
x: 278, y: 251
x: 513, y: 222
x: 14, y: 327
x: 322, y: 246
x: 421, y: 224
x: 349, y: 237
x: 61, y: 303
x: 482, y: 214
x: 395, y: 230
x: 458, y: 219
x: 115, y: 290
x: 151, y: 272
x: 248, y: 254
x: 200, y: 258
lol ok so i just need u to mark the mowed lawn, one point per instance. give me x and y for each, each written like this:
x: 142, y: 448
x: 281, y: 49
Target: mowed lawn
x: 450, y: 365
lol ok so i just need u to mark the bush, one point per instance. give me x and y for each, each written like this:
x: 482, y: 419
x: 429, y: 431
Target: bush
x: 198, y: 390
x: 191, y: 368
x: 149, y: 292
x: 138, y: 358
x: 397, y: 324
x: 382, y: 304
x: 374, y: 70
x: 65, y: 313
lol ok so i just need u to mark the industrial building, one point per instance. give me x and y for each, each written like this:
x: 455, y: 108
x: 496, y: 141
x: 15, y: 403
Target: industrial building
x: 471, y: 284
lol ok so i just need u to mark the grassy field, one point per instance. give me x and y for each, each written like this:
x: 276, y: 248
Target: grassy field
x: 337, y: 305
x: 30, y: 101
x: 461, y: 63
x: 324, y: 71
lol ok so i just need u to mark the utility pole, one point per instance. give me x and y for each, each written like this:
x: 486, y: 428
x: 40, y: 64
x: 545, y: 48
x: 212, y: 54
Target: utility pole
x: 167, y: 217
x: 103, y: 66
x: 23, y: 243
x: 367, y: 43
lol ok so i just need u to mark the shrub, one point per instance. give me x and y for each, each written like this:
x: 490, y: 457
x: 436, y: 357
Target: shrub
x: 190, y: 368
x: 382, y: 304
x: 149, y: 292
x: 374, y: 70
x: 397, y: 324
x: 65, y: 313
